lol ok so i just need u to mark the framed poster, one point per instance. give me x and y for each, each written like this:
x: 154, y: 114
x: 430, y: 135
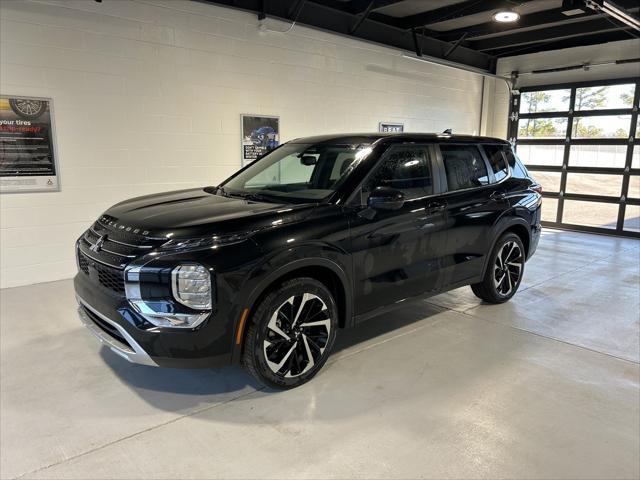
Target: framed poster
x: 385, y: 127
x: 260, y: 134
x: 28, y: 159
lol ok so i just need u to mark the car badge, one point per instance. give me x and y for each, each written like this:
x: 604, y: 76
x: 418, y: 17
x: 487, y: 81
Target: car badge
x: 98, y: 245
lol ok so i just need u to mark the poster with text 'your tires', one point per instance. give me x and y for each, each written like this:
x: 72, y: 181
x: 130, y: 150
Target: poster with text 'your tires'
x: 260, y: 134
x: 27, y: 151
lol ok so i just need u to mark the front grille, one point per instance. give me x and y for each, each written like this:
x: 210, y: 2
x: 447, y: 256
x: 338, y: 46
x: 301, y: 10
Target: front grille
x: 108, y: 277
x: 115, y: 246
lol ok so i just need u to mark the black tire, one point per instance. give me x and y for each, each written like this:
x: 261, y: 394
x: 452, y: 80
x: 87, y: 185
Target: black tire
x: 264, y: 346
x: 501, y: 281
x: 27, y: 108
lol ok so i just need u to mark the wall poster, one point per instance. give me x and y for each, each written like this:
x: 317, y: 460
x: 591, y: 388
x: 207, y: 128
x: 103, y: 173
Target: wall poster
x: 260, y: 134
x: 385, y: 127
x: 28, y: 160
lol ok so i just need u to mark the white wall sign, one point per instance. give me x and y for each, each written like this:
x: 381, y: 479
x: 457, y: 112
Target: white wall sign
x: 385, y: 127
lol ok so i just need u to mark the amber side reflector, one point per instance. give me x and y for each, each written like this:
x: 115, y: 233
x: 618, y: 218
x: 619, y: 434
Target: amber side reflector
x: 243, y: 320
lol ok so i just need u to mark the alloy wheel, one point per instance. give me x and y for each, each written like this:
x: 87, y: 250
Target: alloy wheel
x: 297, y: 335
x: 508, y: 268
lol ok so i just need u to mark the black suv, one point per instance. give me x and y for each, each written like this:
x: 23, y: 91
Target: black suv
x: 318, y: 235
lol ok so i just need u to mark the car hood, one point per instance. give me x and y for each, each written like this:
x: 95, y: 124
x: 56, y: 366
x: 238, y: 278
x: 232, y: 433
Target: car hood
x: 195, y: 212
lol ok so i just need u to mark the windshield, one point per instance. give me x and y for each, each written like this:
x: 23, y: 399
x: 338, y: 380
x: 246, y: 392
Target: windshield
x: 298, y: 172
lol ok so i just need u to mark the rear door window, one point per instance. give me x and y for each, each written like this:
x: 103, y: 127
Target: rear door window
x: 464, y: 167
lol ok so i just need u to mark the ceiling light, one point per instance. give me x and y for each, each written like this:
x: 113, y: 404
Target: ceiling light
x: 506, y: 16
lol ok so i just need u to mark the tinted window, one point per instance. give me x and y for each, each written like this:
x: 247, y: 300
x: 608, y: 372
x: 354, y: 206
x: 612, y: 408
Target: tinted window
x: 406, y: 169
x: 517, y: 168
x: 464, y: 166
x: 496, y: 161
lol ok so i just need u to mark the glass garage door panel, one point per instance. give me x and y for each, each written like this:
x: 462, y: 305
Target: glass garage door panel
x: 545, y: 101
x: 590, y: 214
x: 634, y: 187
x: 635, y: 160
x: 542, y: 128
x: 632, y: 218
x: 605, y: 96
x: 594, y: 184
x: 550, y: 181
x: 549, y: 209
x: 551, y: 155
x: 600, y: 156
x: 606, y: 126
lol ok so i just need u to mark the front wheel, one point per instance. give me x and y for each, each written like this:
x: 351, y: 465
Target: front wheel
x: 291, y: 334
x: 504, y: 272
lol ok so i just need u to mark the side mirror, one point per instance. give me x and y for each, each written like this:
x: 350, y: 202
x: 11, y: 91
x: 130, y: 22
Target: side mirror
x: 385, y: 198
x: 308, y: 160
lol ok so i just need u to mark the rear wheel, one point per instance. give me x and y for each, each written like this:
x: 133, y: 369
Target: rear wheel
x: 504, y: 272
x: 291, y: 334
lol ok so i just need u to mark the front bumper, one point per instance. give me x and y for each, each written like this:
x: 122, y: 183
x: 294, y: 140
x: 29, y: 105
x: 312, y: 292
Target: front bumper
x: 125, y: 332
x: 112, y: 335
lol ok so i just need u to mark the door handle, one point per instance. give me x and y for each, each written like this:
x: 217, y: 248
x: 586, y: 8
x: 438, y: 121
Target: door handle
x: 435, y: 207
x: 498, y: 196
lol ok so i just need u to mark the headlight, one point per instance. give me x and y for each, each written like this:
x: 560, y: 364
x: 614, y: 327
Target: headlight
x: 204, y: 242
x: 191, y: 286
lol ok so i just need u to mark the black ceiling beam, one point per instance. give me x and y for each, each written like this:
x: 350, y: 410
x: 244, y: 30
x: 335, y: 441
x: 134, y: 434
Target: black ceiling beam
x: 362, y: 17
x: 595, y: 39
x: 547, y: 35
x: 526, y: 21
x: 359, y: 6
x: 458, y: 10
x: 321, y: 16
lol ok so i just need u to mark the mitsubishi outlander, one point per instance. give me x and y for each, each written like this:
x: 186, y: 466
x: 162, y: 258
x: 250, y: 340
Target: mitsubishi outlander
x: 320, y: 234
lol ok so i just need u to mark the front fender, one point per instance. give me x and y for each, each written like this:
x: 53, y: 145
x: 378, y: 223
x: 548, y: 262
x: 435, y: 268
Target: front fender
x: 280, y: 264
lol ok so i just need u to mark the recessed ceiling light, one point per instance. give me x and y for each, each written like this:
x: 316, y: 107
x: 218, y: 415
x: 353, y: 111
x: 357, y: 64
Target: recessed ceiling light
x: 506, y: 16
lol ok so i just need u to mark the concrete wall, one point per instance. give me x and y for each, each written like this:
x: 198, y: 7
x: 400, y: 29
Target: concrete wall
x: 561, y: 58
x: 148, y: 96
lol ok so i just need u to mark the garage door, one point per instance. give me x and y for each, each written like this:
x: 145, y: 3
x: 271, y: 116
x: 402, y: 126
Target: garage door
x: 580, y: 141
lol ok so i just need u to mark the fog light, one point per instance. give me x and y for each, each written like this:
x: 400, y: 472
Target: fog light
x: 191, y: 286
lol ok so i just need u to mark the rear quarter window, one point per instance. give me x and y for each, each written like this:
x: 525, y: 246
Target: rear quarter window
x: 518, y: 170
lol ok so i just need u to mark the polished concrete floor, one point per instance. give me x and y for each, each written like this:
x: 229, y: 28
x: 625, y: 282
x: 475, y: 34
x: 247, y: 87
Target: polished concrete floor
x: 546, y: 386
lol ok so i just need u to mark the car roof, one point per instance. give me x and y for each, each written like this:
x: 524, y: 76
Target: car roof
x: 353, y: 138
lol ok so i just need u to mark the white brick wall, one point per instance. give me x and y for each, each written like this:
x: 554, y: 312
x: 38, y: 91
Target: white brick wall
x: 148, y: 96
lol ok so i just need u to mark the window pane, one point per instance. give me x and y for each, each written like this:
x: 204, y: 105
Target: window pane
x: 464, y: 167
x: 545, y: 101
x: 551, y: 155
x: 496, y: 160
x: 405, y: 169
x: 611, y: 96
x: 549, y: 209
x: 592, y: 214
x: 550, y: 181
x: 634, y: 187
x: 594, y: 184
x: 608, y: 156
x: 542, y: 127
x: 635, y: 159
x: 632, y: 218
x: 608, y: 126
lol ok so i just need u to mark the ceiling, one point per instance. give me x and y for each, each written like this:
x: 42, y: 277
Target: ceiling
x: 455, y: 30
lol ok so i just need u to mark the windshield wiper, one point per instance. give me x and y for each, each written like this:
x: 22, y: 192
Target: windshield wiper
x: 246, y: 195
